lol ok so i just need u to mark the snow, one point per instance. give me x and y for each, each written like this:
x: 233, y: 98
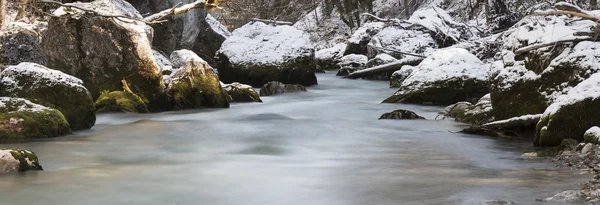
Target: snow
x: 236, y: 85
x: 508, y: 71
x: 523, y: 118
x: 25, y: 105
x: 446, y: 64
x: 40, y: 76
x: 354, y: 59
x: 398, y: 38
x: 384, y: 58
x: 437, y: 20
x: 366, y: 32
x: 259, y: 43
x: 331, y: 53
x: 324, y: 31
x: 217, y: 26
x: 594, y: 131
x: 7, y: 158
x: 181, y: 57
x: 588, y: 89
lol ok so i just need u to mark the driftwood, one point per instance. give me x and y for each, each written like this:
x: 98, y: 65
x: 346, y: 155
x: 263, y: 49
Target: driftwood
x: 273, y: 21
x: 383, y: 68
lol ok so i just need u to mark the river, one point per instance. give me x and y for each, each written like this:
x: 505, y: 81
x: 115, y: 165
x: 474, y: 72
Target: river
x: 323, y: 147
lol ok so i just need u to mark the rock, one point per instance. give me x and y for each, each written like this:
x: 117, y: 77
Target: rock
x: 18, y: 160
x: 401, y: 115
x: 351, y: 63
x: 567, y: 196
x: 498, y: 202
x: 241, y: 93
x: 166, y: 67
x: 21, y: 119
x: 258, y: 53
x: 446, y: 77
x: 120, y: 101
x: 278, y: 88
x: 380, y: 59
x: 196, y: 85
x: 20, y: 45
x: 457, y: 109
x: 587, y: 148
x: 327, y: 59
x: 568, y: 144
x: 571, y: 115
x: 102, y: 52
x: 530, y: 155
x: 399, y: 76
x: 592, y: 135
x: 478, y: 114
x: 195, y: 30
x: 50, y: 88
x: 181, y: 57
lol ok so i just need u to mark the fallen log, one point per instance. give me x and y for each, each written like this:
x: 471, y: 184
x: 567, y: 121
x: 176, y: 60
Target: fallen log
x: 384, y: 68
x: 273, y: 22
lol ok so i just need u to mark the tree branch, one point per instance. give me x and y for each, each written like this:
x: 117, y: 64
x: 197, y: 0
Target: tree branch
x: 384, y: 68
x: 273, y: 21
x: 543, y: 45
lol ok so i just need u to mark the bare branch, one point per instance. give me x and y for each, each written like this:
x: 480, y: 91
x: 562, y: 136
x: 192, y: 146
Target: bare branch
x: 543, y: 45
x: 560, y: 12
x: 273, y: 21
x: 384, y: 68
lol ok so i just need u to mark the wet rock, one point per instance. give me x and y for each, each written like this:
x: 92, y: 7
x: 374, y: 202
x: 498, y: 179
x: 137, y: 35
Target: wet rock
x: 351, y: 63
x: 120, y: 101
x: 20, y: 45
x: 478, y: 114
x: 567, y: 196
x: 456, y: 109
x: 181, y: 57
x: 50, y: 88
x: 18, y: 160
x: 258, y: 53
x: 278, y: 88
x: 568, y: 144
x: 241, y: 93
x: 102, y: 52
x: 196, y: 85
x: 401, y: 115
x: 22, y: 119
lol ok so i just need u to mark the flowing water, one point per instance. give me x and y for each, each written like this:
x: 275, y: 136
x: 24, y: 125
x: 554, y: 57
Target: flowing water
x: 323, y: 147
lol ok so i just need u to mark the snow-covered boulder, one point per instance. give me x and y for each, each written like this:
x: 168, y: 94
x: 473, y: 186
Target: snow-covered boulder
x: 278, y: 88
x: 183, y: 56
x: 351, y: 63
x: 380, y: 59
x: 196, y: 85
x: 166, y: 67
x: 480, y: 113
x: 103, y: 51
x: 18, y: 160
x: 241, y: 93
x: 399, y: 76
x: 20, y: 45
x: 446, y: 77
x: 120, y: 101
x: 571, y: 115
x: 50, y: 88
x: 258, y: 53
x: 22, y: 119
x: 592, y: 135
x: 195, y: 30
x: 327, y: 59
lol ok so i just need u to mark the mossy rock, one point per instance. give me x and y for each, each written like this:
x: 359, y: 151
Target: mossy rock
x: 18, y: 160
x: 401, y: 115
x: 278, y: 88
x: 50, y: 88
x: 120, y: 101
x: 568, y: 122
x: 241, y: 93
x: 22, y: 119
x: 300, y: 70
x: 196, y: 85
x: 444, y: 92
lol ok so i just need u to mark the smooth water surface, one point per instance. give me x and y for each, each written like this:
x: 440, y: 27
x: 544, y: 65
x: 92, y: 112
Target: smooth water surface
x: 324, y: 147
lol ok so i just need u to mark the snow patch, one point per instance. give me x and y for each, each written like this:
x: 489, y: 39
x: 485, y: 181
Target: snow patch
x: 217, y: 26
x: 331, y: 53
x: 588, y: 89
x: 40, y: 76
x: 24, y: 105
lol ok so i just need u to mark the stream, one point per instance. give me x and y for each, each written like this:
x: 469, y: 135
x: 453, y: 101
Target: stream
x: 322, y: 147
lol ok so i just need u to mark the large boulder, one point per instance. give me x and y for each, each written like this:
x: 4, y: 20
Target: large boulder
x: 278, y: 88
x: 351, y: 63
x: 19, y: 45
x: 120, y: 101
x: 327, y: 59
x: 571, y: 115
x: 22, y: 119
x: 18, y: 160
x: 181, y: 57
x: 446, y: 77
x: 103, y: 51
x: 258, y: 53
x: 50, y: 88
x: 241, y: 93
x: 399, y: 76
x: 196, y: 85
x: 480, y: 113
x: 195, y: 30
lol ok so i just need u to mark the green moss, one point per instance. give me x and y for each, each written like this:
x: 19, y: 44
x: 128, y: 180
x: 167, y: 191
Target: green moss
x: 569, y: 122
x: 244, y: 95
x: 196, y: 86
x: 23, y: 156
x: 442, y: 93
x: 589, y: 138
x: 25, y: 124
x: 119, y: 101
x: 520, y: 99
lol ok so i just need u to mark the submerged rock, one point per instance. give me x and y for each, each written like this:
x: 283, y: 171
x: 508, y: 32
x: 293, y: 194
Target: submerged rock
x: 18, y: 160
x: 278, y: 88
x: 446, y: 77
x: 22, y: 119
x: 103, y: 51
x: 50, y: 88
x: 20, y: 45
x: 258, y: 53
x: 196, y: 85
x: 241, y: 93
x: 401, y: 115
x: 120, y: 101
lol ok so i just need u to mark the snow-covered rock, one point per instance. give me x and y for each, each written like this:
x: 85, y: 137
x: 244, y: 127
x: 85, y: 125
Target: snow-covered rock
x: 381, y: 59
x: 399, y: 76
x: 258, y: 53
x: 351, y: 63
x: 278, y: 88
x: 571, y: 115
x: 480, y: 113
x: 326, y: 59
x: 196, y: 85
x: 437, y: 20
x: 21, y: 119
x: 241, y: 93
x: 103, y: 51
x: 18, y: 160
x: 592, y: 135
x: 446, y: 77
x: 50, y: 88
x: 181, y: 57
x: 20, y: 45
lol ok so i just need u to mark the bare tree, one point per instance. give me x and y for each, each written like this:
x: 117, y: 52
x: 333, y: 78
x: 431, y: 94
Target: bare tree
x: 2, y: 13
x: 406, y: 9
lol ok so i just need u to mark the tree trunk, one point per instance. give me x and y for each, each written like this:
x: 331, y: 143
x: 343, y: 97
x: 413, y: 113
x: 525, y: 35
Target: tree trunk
x: 2, y: 13
x: 407, y: 9
x: 22, y: 10
x: 593, y: 4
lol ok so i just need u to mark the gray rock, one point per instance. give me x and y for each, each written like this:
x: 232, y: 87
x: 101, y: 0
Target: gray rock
x: 21, y: 45
x: 401, y: 115
x: 567, y: 196
x: 166, y: 67
x: 241, y: 93
x: 278, y: 88
x: 17, y: 160
x: 588, y: 147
